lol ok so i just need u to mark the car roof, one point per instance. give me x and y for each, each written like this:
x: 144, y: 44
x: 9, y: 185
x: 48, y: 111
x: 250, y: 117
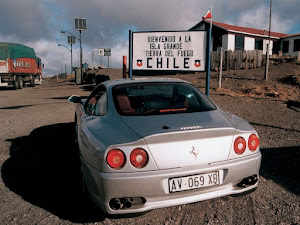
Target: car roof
x: 111, y: 83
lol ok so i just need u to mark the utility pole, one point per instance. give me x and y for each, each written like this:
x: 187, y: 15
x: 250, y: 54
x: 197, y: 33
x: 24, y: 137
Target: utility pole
x: 221, y: 67
x: 130, y: 54
x: 80, y: 24
x: 268, y: 45
x: 71, y: 61
x: 209, y: 55
x: 80, y: 57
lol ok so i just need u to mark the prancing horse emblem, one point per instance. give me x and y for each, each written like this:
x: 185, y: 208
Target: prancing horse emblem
x: 194, y: 152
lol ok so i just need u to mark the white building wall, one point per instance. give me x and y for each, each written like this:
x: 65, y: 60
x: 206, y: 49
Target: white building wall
x: 231, y: 42
x: 291, y: 45
x: 265, y: 42
x: 249, y: 43
x: 228, y: 42
x: 225, y: 42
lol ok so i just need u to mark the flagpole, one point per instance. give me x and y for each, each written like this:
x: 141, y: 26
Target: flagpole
x: 209, y: 56
x: 268, y: 45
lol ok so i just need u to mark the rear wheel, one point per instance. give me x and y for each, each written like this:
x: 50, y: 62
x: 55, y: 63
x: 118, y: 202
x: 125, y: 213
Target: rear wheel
x: 16, y: 84
x: 32, y: 81
x: 20, y: 82
x: 82, y: 188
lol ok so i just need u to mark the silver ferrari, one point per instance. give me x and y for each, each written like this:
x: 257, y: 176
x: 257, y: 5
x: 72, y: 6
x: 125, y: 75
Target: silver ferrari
x: 153, y: 143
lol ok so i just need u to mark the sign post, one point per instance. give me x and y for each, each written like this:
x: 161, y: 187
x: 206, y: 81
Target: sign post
x: 130, y: 54
x: 71, y: 41
x: 107, y: 52
x: 208, y: 62
x: 101, y: 53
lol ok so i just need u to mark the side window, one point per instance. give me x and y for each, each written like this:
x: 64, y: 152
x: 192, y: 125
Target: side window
x: 97, y: 103
x: 101, y: 106
x: 239, y: 42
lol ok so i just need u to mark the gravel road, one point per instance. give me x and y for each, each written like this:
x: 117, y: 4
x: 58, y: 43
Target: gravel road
x: 39, y: 185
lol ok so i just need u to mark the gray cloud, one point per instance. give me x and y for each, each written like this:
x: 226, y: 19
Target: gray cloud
x: 27, y: 19
x: 38, y: 23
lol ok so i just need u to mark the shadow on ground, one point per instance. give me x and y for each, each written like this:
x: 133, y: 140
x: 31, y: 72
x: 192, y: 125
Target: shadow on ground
x: 282, y: 165
x: 43, y: 170
x: 89, y: 88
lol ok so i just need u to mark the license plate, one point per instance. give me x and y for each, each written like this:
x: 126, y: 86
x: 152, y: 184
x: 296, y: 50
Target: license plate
x: 194, y: 181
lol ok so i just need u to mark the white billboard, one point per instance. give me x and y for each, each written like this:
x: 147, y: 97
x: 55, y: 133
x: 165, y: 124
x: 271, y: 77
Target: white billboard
x: 176, y: 50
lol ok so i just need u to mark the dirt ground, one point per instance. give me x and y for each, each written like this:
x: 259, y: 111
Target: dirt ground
x: 39, y: 184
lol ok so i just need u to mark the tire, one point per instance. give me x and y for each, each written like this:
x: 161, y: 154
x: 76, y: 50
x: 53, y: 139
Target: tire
x: 32, y: 81
x: 16, y: 84
x: 83, y: 194
x: 20, y: 82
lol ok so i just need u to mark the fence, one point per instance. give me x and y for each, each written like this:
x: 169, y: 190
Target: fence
x: 239, y: 59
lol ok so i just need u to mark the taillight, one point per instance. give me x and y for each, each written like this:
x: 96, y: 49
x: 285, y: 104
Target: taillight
x: 139, y: 158
x: 116, y: 159
x: 239, y: 145
x: 253, y: 142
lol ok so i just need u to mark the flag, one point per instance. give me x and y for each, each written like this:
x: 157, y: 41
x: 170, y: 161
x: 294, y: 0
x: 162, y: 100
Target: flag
x: 207, y: 15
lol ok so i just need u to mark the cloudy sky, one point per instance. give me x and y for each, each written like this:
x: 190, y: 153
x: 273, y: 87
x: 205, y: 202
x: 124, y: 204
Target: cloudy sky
x: 38, y: 23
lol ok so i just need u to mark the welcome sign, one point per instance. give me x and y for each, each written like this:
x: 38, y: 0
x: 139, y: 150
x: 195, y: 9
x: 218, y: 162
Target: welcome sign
x: 177, y: 50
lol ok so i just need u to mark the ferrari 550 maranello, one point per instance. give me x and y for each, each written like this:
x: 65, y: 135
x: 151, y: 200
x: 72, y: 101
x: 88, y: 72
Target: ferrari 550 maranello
x: 153, y: 143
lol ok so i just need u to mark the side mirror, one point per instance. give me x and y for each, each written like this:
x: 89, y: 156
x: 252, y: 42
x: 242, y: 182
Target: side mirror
x: 74, y: 99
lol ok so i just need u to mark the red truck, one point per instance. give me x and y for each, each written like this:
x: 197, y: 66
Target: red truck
x: 19, y: 65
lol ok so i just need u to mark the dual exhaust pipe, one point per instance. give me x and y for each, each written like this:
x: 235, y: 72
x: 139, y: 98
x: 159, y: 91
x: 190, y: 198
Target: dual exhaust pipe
x: 125, y: 203
x: 248, y: 181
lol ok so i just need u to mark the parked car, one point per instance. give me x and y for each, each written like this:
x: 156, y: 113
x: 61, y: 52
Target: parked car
x: 153, y: 143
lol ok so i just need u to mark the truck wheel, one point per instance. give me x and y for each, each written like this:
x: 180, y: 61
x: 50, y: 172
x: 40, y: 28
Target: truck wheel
x: 16, y: 84
x: 20, y: 82
x: 32, y: 81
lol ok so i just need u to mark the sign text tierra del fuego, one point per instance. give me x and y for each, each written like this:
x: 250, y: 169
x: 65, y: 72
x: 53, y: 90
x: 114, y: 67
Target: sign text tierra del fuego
x: 170, y: 52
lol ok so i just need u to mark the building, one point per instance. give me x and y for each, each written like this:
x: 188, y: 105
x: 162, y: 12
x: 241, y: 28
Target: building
x: 290, y: 44
x: 231, y: 37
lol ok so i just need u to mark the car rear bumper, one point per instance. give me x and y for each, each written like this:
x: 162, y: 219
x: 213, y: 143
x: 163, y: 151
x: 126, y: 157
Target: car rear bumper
x: 153, y: 186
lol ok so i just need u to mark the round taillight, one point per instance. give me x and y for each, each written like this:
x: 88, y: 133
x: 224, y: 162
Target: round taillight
x: 139, y: 158
x: 253, y: 142
x: 239, y: 145
x: 116, y: 159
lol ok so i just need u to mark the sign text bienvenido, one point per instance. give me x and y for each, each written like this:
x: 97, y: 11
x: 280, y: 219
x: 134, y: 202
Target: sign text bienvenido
x: 178, y: 50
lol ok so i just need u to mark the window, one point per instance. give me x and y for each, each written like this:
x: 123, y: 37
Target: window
x: 258, y: 44
x: 239, y: 42
x: 101, y: 108
x: 296, y: 45
x: 217, y: 43
x: 96, y: 104
x: 285, y: 46
x: 159, y: 98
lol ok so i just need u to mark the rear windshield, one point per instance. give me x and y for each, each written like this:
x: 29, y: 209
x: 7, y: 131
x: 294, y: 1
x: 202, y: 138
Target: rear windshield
x: 159, y: 98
